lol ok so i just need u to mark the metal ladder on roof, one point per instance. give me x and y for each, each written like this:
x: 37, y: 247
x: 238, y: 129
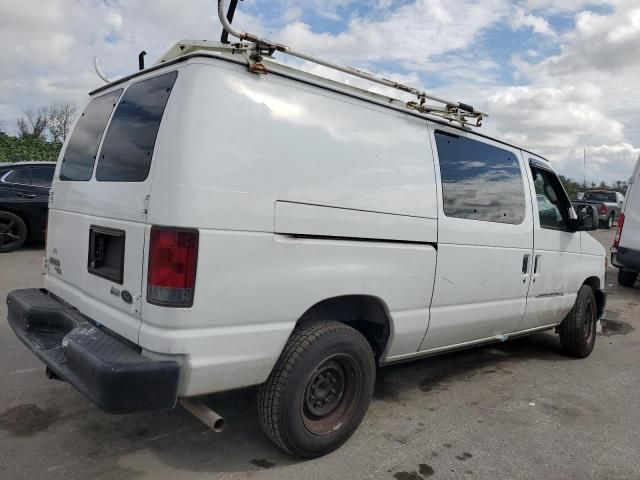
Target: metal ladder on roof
x: 255, y: 49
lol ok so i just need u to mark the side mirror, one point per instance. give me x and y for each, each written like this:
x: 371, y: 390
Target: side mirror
x: 587, y: 218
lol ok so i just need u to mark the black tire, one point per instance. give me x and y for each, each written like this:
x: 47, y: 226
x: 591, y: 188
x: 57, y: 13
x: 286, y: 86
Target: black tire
x: 609, y: 222
x: 319, y: 390
x: 626, y: 278
x: 578, y: 329
x: 13, y: 232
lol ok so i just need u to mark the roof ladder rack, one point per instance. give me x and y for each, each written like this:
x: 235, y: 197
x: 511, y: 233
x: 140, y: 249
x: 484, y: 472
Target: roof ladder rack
x: 458, y: 112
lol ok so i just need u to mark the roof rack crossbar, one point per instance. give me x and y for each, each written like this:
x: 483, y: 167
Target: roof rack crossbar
x: 454, y: 111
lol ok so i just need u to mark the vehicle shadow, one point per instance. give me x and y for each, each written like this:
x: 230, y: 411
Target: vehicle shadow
x: 176, y: 440
x: 434, y: 372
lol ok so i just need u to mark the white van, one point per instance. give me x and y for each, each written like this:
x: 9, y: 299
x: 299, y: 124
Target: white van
x: 625, y: 253
x: 213, y: 228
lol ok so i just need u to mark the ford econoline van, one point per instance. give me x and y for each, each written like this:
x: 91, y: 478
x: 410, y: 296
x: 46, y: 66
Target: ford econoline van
x: 219, y: 221
x: 625, y: 253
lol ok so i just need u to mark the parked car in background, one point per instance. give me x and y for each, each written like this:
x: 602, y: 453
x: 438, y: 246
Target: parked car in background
x: 625, y: 253
x: 24, y: 195
x: 608, y: 202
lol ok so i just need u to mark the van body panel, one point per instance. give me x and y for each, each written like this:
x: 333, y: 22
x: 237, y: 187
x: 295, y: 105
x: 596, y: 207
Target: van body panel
x: 360, y: 165
x: 242, y: 315
x: 304, y: 219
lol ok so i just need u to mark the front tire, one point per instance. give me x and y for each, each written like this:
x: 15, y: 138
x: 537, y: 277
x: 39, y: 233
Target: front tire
x: 626, y: 278
x: 578, y: 329
x: 320, y: 389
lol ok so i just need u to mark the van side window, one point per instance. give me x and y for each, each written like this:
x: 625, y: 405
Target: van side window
x: 479, y: 181
x: 553, y: 204
x: 80, y: 155
x: 129, y: 142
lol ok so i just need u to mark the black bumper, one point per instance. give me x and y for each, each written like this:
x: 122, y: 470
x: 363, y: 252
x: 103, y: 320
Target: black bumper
x: 108, y: 370
x: 626, y: 258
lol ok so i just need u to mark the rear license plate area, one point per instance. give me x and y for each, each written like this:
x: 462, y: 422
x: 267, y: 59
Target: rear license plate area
x: 106, y: 253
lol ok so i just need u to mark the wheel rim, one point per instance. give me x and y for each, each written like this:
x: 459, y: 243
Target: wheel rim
x: 9, y: 232
x: 589, y: 323
x: 331, y: 394
x: 610, y: 222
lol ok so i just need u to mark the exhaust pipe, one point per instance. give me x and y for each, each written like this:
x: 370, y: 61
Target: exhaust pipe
x: 203, y: 413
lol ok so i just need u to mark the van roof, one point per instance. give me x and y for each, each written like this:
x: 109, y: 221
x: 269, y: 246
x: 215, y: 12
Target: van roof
x: 231, y: 53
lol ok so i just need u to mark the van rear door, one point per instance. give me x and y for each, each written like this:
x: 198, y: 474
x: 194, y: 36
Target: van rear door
x: 98, y: 211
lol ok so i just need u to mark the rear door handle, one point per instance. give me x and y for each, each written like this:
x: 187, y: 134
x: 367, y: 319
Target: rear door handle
x: 27, y: 195
x: 536, y: 263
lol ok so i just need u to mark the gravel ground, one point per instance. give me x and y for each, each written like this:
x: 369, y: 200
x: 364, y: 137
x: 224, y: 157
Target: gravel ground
x: 510, y: 411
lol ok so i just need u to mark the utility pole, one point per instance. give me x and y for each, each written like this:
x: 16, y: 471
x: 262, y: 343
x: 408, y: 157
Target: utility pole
x: 584, y: 167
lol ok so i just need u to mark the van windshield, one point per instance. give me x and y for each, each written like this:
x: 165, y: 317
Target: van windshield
x: 131, y: 137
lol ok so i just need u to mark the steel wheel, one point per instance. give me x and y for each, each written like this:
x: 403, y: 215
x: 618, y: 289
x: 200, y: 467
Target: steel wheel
x: 331, y: 394
x: 589, y: 322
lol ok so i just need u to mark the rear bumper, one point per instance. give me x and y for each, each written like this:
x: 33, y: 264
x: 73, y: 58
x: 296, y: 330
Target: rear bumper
x: 108, y: 370
x: 626, y: 258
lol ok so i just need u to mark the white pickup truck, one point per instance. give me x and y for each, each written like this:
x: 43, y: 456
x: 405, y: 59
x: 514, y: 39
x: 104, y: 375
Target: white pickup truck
x: 221, y: 220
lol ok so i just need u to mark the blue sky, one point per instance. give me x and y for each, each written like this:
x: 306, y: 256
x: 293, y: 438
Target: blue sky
x: 555, y: 77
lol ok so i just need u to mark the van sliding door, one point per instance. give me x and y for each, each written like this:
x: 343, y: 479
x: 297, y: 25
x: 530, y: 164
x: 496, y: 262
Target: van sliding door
x: 485, y: 240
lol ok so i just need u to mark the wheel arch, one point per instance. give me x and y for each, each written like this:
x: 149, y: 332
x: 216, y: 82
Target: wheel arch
x: 598, y: 292
x: 367, y: 314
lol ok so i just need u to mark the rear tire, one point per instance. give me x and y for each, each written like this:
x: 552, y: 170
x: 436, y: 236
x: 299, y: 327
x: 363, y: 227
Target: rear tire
x: 578, y: 329
x: 609, y: 223
x: 13, y: 232
x: 319, y: 390
x: 626, y: 278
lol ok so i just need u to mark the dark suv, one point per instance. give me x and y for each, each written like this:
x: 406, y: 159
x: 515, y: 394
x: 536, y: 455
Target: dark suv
x: 24, y: 195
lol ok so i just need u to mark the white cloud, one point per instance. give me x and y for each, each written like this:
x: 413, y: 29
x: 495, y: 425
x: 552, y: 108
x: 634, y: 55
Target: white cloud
x: 520, y: 19
x: 408, y: 35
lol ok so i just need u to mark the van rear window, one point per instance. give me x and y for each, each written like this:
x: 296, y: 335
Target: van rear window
x: 129, y: 142
x: 80, y: 155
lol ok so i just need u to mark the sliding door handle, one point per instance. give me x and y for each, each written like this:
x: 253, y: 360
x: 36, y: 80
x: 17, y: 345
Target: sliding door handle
x: 525, y: 264
x: 537, y: 264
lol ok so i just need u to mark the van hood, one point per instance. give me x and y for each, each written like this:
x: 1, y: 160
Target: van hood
x: 591, y: 246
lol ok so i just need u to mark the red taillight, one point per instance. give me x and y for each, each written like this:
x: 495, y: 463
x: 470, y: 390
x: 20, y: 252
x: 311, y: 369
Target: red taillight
x: 173, y: 255
x: 616, y: 239
x: 603, y: 209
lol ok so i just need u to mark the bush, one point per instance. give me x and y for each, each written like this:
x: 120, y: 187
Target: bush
x: 14, y: 149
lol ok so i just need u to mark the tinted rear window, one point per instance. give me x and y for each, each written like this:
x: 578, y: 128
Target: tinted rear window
x: 129, y: 142
x: 80, y: 155
x: 479, y: 181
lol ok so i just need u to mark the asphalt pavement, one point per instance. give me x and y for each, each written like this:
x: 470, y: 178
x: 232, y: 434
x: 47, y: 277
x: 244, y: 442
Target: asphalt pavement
x: 515, y: 410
